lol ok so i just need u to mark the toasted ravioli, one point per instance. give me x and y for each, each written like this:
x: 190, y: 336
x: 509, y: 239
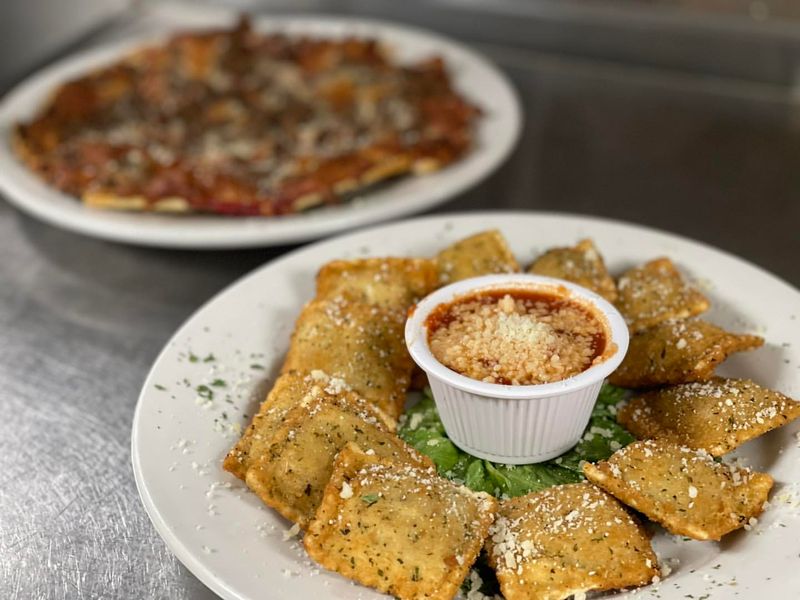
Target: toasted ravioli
x: 391, y: 283
x: 581, y: 264
x: 683, y: 489
x: 399, y: 528
x: 678, y: 352
x: 717, y: 415
x: 484, y: 253
x: 566, y: 540
x: 362, y: 344
x: 656, y: 292
x: 291, y: 474
x: 292, y: 389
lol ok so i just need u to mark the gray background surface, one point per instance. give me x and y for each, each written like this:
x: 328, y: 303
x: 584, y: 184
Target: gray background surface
x: 705, y: 155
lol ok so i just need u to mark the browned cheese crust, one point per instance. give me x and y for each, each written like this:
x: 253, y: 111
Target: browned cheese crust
x: 683, y: 489
x: 398, y: 528
x: 566, y: 540
x: 678, y: 352
x: 238, y: 122
x: 291, y: 474
x: 717, y: 416
x: 656, y: 292
x: 484, y: 253
x: 582, y: 264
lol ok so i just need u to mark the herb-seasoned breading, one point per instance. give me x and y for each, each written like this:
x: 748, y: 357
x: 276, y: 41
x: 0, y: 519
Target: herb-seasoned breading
x: 484, y: 253
x: 399, y: 528
x: 716, y: 415
x: 656, y: 292
x: 362, y: 344
x: 393, y: 284
x: 292, y: 389
x: 291, y: 474
x: 566, y: 540
x: 683, y: 489
x: 581, y: 264
x: 678, y: 352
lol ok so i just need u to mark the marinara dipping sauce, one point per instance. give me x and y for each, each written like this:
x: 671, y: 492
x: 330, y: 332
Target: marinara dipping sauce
x: 517, y: 336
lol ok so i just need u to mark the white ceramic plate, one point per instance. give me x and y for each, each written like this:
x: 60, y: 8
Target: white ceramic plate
x: 223, y: 534
x: 476, y: 78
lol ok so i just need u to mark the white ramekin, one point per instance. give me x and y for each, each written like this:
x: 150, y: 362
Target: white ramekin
x: 514, y: 424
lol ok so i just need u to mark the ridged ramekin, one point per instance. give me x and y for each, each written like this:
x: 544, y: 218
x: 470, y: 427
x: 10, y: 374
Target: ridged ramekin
x: 515, y: 424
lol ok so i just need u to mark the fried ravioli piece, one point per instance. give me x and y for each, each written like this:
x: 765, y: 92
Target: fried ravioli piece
x: 683, y: 489
x: 390, y: 283
x: 581, y: 264
x: 399, y: 528
x: 717, y: 416
x: 566, y: 540
x: 656, y: 292
x: 290, y: 475
x: 678, y: 352
x: 362, y: 344
x: 292, y: 389
x: 484, y: 253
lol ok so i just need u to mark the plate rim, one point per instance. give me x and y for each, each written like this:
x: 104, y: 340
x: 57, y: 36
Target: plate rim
x: 180, y: 548
x: 217, y: 232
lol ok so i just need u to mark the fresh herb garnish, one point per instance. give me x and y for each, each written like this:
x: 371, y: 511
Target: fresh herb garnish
x: 423, y: 429
x: 193, y: 357
x: 369, y: 499
x: 257, y: 367
x: 205, y: 392
x: 209, y: 358
x: 160, y: 387
x: 219, y: 383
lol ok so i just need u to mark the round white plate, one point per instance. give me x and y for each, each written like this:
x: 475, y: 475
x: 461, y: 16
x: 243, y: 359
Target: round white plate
x: 224, y: 535
x: 481, y: 82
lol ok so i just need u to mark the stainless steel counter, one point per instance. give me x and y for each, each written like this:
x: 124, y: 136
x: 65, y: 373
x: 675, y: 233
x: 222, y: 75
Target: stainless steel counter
x: 81, y: 320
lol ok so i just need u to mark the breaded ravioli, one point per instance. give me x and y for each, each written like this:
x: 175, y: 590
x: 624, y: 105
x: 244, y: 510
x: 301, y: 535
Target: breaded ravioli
x: 581, y: 264
x: 678, y: 352
x: 683, y: 489
x: 291, y: 389
x: 484, y: 253
x: 717, y: 415
x: 362, y: 344
x: 398, y: 528
x: 393, y: 284
x: 291, y: 474
x: 567, y: 540
x: 656, y: 292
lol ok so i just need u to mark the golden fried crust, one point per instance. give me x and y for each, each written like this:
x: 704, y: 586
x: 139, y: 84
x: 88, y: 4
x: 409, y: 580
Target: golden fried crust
x: 678, y: 352
x: 292, y: 389
x: 285, y: 394
x: 394, y: 284
x: 717, y: 416
x: 683, y: 489
x: 291, y: 474
x: 581, y: 264
x: 484, y: 253
x: 656, y: 292
x: 565, y: 540
x: 361, y: 344
x: 398, y: 528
